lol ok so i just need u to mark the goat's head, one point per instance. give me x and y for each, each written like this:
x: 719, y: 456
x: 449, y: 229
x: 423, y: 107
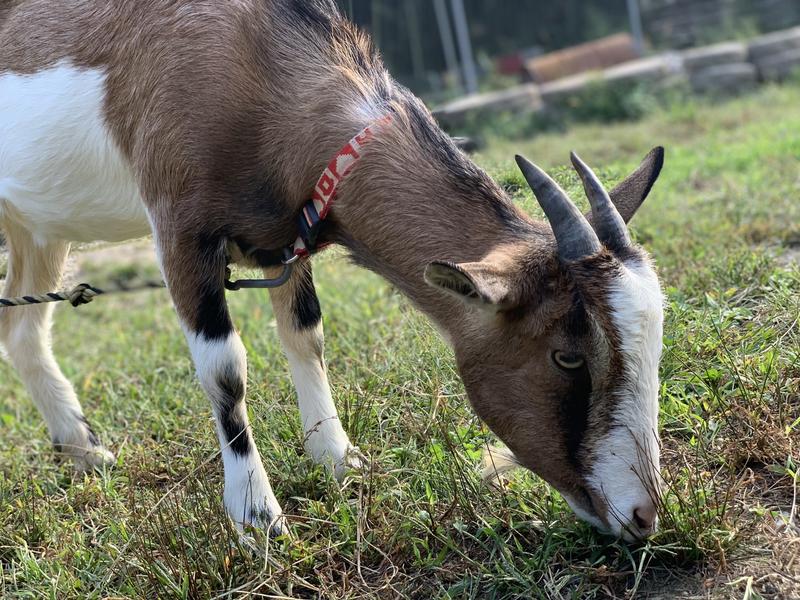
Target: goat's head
x: 559, y: 350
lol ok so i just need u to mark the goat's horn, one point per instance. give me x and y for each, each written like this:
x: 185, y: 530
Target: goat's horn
x: 574, y: 236
x: 608, y: 223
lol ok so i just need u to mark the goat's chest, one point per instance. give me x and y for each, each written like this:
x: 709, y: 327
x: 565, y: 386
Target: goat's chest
x: 61, y: 174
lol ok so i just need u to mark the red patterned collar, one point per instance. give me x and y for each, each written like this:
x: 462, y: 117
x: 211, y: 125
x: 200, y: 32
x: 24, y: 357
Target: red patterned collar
x: 315, y: 210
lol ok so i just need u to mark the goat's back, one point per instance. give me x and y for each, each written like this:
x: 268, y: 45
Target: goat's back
x: 5, y: 9
x: 201, y: 94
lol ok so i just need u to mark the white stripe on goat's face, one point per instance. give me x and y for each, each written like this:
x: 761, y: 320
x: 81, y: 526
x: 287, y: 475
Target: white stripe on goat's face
x: 625, y: 469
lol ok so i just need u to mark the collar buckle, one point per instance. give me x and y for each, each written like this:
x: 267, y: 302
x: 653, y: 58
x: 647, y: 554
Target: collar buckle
x: 309, y: 224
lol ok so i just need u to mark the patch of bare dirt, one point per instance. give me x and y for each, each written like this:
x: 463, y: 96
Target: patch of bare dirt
x: 88, y: 257
x: 790, y: 256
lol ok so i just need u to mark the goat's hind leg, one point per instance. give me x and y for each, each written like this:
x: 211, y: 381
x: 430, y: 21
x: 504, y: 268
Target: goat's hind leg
x: 35, y: 268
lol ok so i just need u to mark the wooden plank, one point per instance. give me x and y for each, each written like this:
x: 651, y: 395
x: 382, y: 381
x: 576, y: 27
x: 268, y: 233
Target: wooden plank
x: 595, y: 55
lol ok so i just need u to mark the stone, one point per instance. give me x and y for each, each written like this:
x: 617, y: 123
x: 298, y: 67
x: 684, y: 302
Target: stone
x: 589, y: 56
x: 557, y: 91
x: 519, y: 100
x: 732, y: 77
x: 651, y: 69
x: 780, y: 66
x: 762, y: 47
x: 697, y: 59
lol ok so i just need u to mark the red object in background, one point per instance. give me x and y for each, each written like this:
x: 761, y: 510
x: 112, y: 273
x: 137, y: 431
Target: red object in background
x: 511, y: 64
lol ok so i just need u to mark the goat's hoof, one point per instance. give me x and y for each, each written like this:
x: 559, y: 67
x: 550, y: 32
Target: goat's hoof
x: 263, y: 522
x: 96, y: 458
x: 276, y: 525
x: 252, y: 505
x: 257, y: 540
x: 353, y: 460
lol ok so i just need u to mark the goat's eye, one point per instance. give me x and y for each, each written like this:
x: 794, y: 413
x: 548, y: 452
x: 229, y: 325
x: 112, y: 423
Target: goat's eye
x: 568, y: 361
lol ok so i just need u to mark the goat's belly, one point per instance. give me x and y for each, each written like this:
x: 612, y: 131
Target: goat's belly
x: 61, y: 175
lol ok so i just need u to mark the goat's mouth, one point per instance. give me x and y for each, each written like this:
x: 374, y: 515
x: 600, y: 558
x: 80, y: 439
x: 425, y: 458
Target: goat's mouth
x: 599, y: 511
x: 588, y: 507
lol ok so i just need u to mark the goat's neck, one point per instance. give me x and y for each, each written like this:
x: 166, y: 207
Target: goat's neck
x: 396, y: 215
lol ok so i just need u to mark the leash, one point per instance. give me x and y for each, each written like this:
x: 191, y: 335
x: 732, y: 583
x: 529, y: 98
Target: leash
x: 309, y: 222
x: 82, y: 293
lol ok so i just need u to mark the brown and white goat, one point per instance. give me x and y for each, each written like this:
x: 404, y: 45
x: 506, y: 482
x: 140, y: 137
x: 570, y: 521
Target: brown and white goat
x: 207, y: 124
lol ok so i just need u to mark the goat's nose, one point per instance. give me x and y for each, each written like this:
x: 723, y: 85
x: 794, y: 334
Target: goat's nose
x: 645, y: 518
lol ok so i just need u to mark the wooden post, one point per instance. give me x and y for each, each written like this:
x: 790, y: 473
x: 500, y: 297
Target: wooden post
x: 414, y: 40
x: 464, y: 46
x: 635, y: 16
x: 446, y: 35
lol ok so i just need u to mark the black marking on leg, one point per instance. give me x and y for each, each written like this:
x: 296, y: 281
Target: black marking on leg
x: 231, y: 393
x: 307, y: 312
x: 213, y: 320
x: 259, y: 515
x: 90, y: 434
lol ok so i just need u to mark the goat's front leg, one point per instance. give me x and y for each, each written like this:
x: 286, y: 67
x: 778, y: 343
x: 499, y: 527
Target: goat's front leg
x: 299, y: 322
x: 194, y: 268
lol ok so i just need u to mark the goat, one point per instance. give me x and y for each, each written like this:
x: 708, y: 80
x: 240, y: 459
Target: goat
x: 207, y: 123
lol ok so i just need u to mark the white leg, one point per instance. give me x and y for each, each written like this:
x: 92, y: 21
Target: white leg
x: 25, y: 333
x: 222, y: 369
x: 299, y: 323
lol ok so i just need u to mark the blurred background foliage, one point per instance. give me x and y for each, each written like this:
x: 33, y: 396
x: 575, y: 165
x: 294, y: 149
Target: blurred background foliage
x: 408, y: 35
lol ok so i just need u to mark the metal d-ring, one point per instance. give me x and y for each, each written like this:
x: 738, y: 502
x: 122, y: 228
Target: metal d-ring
x: 288, y: 261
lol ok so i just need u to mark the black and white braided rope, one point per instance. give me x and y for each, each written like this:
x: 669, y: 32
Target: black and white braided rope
x: 81, y: 294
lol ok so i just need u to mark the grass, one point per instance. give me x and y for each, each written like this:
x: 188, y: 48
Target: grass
x: 723, y: 224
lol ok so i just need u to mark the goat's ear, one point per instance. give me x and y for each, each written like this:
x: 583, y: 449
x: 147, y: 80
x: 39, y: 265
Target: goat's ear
x: 631, y: 192
x: 478, y: 283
